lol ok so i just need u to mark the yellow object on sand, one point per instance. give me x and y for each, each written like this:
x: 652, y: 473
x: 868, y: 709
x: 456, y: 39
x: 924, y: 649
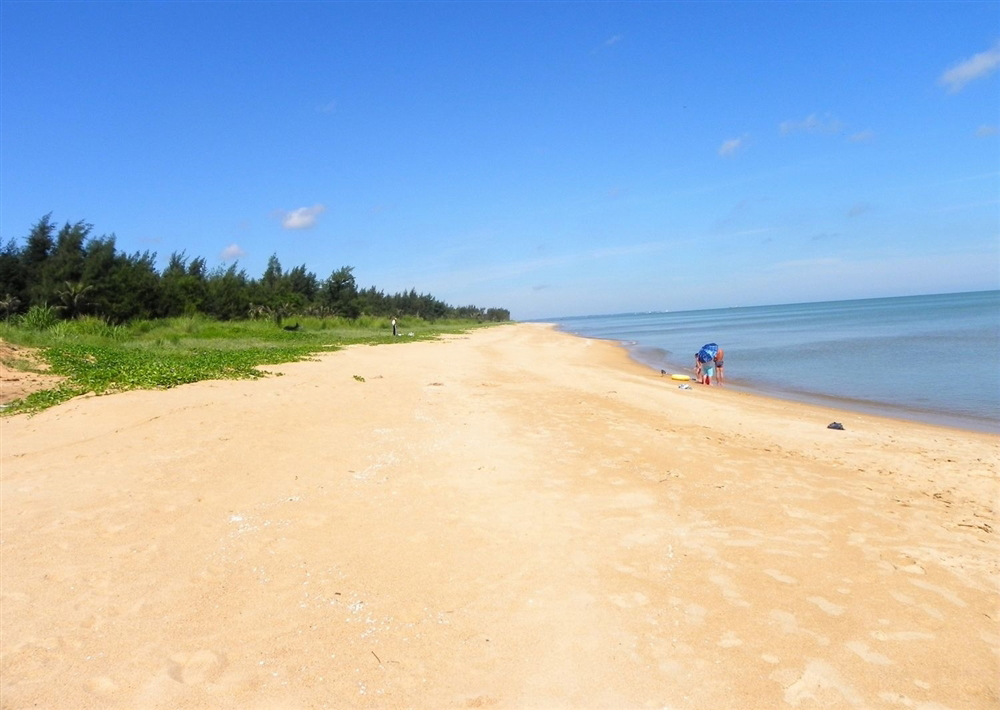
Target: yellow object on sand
x: 682, y: 378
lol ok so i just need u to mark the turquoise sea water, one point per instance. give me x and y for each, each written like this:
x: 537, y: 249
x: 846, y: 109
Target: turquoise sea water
x: 925, y: 358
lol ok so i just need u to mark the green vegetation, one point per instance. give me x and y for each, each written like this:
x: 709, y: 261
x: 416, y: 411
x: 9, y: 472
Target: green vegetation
x: 68, y: 272
x: 95, y: 356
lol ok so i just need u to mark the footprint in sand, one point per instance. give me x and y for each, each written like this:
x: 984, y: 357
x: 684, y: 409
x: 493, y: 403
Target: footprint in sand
x: 199, y: 667
x: 945, y: 593
x: 910, y: 601
x: 790, y: 625
x: 783, y: 578
x: 819, y: 686
x: 867, y: 654
x: 695, y: 613
x: 902, y: 636
x: 827, y: 606
x: 629, y: 600
x: 729, y: 640
x: 102, y: 685
x: 729, y: 590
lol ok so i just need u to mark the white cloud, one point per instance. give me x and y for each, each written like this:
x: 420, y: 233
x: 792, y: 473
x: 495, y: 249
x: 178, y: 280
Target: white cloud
x: 811, y: 124
x: 328, y: 107
x: 986, y: 130
x: 302, y: 218
x: 975, y: 67
x: 732, y: 146
x: 232, y: 252
x: 862, y: 136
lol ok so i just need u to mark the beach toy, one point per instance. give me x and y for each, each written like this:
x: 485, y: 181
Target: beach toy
x: 681, y: 378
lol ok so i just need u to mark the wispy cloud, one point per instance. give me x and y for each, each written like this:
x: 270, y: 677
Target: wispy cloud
x: 796, y: 265
x: 986, y: 130
x: 862, y: 136
x: 975, y: 67
x: 750, y: 232
x: 832, y: 278
x: 626, y: 250
x: 858, y: 209
x: 740, y: 210
x: 608, y: 43
x: 500, y: 271
x: 967, y: 206
x: 302, y: 218
x: 328, y: 107
x: 731, y: 147
x: 967, y: 178
x: 811, y: 124
x: 232, y: 252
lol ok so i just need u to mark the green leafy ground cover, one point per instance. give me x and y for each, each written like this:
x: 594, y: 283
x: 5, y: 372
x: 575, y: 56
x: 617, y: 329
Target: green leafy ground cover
x: 96, y: 357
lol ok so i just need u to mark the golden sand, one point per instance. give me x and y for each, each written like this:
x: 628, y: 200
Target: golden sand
x: 515, y: 518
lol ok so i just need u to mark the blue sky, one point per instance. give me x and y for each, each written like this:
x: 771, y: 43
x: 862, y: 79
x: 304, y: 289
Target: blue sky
x: 553, y: 158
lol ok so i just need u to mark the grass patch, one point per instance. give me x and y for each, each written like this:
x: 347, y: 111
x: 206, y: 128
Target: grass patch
x: 96, y: 357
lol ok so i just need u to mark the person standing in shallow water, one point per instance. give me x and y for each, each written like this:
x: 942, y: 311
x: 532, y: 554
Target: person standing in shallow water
x: 718, y: 367
x: 705, y: 362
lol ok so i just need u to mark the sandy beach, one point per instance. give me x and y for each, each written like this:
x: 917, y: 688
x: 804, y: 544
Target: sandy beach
x: 513, y: 518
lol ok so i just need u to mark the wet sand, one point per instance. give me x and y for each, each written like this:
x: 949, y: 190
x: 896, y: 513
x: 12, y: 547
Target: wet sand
x: 515, y: 518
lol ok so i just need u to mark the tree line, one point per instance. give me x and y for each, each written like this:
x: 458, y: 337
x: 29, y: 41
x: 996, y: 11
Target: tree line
x: 77, y: 273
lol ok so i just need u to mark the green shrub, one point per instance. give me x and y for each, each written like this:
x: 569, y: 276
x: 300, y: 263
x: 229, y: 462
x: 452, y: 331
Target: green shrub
x: 94, y: 327
x: 39, y: 318
x: 61, y: 330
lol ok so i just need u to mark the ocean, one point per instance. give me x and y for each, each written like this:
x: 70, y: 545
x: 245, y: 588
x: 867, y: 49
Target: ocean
x: 931, y: 358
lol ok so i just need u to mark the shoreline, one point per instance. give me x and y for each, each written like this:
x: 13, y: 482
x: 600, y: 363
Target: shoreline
x: 514, y: 517
x: 948, y: 420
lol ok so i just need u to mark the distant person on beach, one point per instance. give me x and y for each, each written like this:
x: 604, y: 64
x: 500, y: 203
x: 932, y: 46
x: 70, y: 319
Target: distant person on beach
x: 705, y: 362
x: 394, y: 328
x: 718, y: 367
